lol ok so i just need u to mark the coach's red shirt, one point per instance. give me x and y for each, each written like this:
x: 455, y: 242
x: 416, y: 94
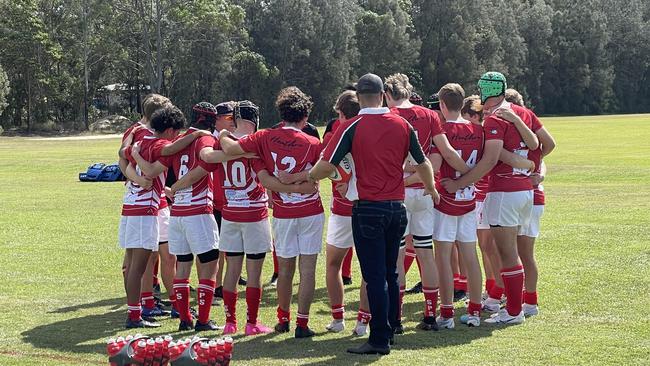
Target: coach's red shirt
x: 146, y: 202
x: 504, y: 177
x: 467, y: 139
x: 426, y: 124
x: 340, y: 205
x: 245, y: 197
x: 197, y: 198
x: 293, y: 151
x: 379, y: 142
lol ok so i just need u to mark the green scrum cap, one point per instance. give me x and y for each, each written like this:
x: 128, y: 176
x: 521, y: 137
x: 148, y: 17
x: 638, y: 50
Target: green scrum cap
x: 492, y: 84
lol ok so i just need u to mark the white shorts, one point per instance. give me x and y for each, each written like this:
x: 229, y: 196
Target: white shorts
x: 532, y: 229
x: 419, y: 212
x: 245, y: 237
x: 450, y: 228
x: 508, y: 209
x: 339, y: 231
x: 481, y: 220
x: 195, y: 234
x: 138, y: 232
x: 163, y: 225
x: 299, y: 236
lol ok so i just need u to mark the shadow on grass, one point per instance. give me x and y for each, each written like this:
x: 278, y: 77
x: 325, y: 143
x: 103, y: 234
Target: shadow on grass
x: 85, y: 335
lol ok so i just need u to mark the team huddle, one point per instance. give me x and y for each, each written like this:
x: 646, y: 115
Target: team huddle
x: 202, y: 196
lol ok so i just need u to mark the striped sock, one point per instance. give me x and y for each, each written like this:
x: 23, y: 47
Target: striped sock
x: 513, y: 283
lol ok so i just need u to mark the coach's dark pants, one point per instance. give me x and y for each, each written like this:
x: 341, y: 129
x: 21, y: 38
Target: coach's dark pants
x: 377, y: 228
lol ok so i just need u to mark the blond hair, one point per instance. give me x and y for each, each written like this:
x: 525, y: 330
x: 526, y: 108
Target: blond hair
x: 452, y: 95
x: 398, y: 86
x: 347, y: 103
x: 513, y: 96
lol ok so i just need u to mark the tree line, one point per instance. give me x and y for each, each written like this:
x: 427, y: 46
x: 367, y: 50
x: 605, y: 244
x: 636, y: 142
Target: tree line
x: 565, y: 57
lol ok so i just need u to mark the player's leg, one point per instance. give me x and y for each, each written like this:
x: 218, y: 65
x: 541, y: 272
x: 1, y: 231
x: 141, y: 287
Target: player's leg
x: 182, y: 289
x: 203, y: 237
x: 334, y: 284
x: 149, y: 308
x: 460, y: 287
x: 526, y: 247
x: 346, y: 269
x: 218, y: 291
x: 466, y: 243
x: 363, y: 315
x: 139, y: 259
x: 257, y: 242
x: 234, y: 263
x: 125, y: 266
x: 339, y: 243
x: 483, y: 236
x: 421, y: 226
x: 444, y: 236
x: 167, y: 270
x: 310, y: 238
x: 286, y: 247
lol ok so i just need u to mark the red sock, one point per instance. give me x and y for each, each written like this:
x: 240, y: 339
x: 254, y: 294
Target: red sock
x: 134, y: 311
x: 447, y: 311
x: 338, y: 311
x: 284, y: 316
x: 409, y: 257
x: 275, y: 263
x: 182, y: 292
x: 205, y: 294
x: 147, y: 301
x: 430, y: 301
x: 456, y: 281
x: 530, y: 298
x: 496, y: 292
x: 513, y: 283
x: 302, y: 320
x: 172, y: 299
x: 253, y: 298
x: 402, y: 289
x: 230, y: 305
x: 346, y: 270
x: 474, y: 309
x: 462, y: 283
x: 363, y: 316
x: 489, y: 283
x: 155, y: 274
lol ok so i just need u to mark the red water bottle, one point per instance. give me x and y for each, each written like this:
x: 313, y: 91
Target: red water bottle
x: 220, y: 351
x: 212, y: 359
x: 203, y: 354
x: 227, y: 350
x: 140, y: 352
x: 120, y: 342
x: 112, y: 349
x: 151, y: 350
x: 174, y: 351
x: 158, y: 352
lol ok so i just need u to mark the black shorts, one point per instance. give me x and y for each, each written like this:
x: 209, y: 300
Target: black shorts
x: 217, y: 216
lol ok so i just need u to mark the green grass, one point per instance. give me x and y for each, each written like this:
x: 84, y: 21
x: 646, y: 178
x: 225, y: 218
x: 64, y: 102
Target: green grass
x: 61, y: 292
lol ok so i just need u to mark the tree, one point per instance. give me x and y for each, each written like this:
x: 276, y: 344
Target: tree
x: 4, y: 89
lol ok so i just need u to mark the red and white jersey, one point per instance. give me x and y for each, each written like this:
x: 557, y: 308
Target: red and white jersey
x: 426, y: 124
x: 293, y: 151
x: 504, y: 177
x: 140, y: 131
x: 482, y: 187
x: 246, y: 199
x: 146, y: 202
x: 467, y: 139
x: 197, y: 198
x: 340, y: 205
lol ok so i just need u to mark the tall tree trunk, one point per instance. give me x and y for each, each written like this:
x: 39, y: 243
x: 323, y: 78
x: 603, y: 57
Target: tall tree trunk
x: 158, y: 46
x: 84, y: 11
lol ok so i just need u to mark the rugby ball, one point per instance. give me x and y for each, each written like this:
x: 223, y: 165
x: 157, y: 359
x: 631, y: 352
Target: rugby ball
x: 343, y: 171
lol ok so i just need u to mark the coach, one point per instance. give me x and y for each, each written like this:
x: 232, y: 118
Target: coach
x: 378, y: 142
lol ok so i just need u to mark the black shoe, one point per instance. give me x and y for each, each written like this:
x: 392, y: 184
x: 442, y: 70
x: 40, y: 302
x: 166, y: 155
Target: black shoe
x: 459, y: 295
x: 282, y: 327
x: 194, y: 313
x: 347, y: 281
x: 218, y: 292
x: 184, y: 326
x: 149, y: 319
x: 304, y: 332
x: 369, y: 349
x: 156, y: 291
x: 210, y: 325
x: 428, y: 323
x: 242, y: 281
x: 398, y: 329
x: 161, y: 303
x: 274, y: 280
x: 140, y: 324
x: 415, y: 289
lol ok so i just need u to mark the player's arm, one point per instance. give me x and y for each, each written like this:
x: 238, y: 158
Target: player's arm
x: 188, y: 179
x: 529, y: 137
x: 272, y: 183
x: 449, y: 154
x: 409, y: 168
x: 229, y: 146
x: 288, y: 178
x: 436, y: 163
x: 516, y: 161
x: 183, y: 142
x: 133, y: 176
x: 219, y: 156
x: 490, y: 157
x: 151, y: 170
x: 546, y: 140
x: 538, y: 178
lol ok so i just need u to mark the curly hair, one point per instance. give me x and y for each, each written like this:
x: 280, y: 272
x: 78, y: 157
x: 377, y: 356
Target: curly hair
x: 167, y: 117
x: 398, y: 86
x: 293, y: 104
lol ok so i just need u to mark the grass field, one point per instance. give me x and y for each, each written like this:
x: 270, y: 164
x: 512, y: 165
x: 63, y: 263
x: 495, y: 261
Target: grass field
x: 61, y: 291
